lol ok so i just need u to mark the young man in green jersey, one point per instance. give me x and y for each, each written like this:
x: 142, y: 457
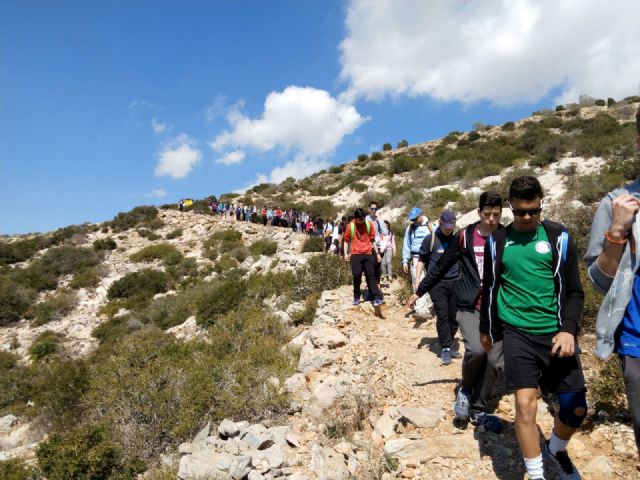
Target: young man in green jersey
x: 532, y: 301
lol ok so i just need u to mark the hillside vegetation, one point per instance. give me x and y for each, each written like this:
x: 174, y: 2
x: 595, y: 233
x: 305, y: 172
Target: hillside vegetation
x: 111, y: 410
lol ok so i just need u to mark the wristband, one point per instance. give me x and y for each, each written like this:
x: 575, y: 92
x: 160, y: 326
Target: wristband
x: 607, y: 236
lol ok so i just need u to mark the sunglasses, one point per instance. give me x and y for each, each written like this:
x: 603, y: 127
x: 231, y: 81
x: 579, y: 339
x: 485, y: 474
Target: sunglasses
x: 523, y: 212
x: 373, y: 209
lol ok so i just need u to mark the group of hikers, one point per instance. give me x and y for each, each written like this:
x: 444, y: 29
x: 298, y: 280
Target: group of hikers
x: 515, y: 294
x: 298, y: 221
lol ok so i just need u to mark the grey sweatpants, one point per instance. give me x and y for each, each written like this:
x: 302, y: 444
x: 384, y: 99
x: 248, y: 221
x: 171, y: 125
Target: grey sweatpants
x: 479, y: 368
x: 386, y: 263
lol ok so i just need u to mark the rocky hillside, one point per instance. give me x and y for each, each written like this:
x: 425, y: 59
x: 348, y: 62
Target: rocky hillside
x: 169, y: 344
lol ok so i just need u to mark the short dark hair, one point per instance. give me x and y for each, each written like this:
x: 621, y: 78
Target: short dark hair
x: 490, y: 199
x: 526, y: 187
x: 359, y: 213
x: 373, y: 203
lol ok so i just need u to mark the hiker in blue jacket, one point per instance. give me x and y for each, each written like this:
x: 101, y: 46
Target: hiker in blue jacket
x: 613, y: 258
x: 415, y: 233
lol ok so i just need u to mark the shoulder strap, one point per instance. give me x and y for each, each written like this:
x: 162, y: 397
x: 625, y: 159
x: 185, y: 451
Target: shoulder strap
x: 433, y: 242
x: 462, y: 239
x: 564, y: 243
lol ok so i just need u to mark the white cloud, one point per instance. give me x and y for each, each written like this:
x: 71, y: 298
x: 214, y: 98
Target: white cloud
x: 297, y: 168
x: 178, y: 157
x: 159, y: 127
x: 140, y: 104
x: 506, y: 51
x: 304, y: 121
x: 156, y: 193
x: 231, y: 158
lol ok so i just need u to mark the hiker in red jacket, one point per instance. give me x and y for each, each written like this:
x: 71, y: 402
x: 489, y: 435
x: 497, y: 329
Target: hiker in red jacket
x: 360, y: 234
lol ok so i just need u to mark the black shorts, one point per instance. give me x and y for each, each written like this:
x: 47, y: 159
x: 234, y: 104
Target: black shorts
x: 528, y: 363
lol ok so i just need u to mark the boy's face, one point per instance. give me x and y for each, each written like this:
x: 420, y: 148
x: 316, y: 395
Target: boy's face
x: 490, y: 217
x: 526, y: 213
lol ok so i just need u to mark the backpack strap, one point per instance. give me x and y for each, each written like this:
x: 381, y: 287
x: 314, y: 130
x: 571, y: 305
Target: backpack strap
x: 352, y: 230
x: 462, y: 238
x: 433, y: 242
x: 564, y: 243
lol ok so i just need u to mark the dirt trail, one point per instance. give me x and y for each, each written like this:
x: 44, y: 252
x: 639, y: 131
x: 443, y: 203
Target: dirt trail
x: 408, y: 372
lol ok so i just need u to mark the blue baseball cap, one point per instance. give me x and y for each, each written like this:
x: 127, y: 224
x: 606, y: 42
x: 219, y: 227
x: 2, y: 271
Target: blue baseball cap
x: 414, y: 213
x: 448, y: 219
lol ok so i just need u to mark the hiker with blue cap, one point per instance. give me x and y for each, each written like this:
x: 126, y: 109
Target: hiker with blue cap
x: 418, y: 229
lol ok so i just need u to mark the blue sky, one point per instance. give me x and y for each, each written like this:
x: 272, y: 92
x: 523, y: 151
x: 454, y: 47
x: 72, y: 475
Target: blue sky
x: 105, y: 105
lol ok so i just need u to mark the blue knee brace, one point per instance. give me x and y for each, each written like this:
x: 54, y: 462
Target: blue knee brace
x: 569, y: 403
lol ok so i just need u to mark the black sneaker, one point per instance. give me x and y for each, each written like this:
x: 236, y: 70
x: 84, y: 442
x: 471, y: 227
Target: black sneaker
x: 561, y: 460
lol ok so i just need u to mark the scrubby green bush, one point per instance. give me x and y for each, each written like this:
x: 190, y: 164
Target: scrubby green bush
x: 57, y: 392
x: 86, y: 452
x: 222, y: 297
x: 508, y: 126
x: 16, y: 470
x: 20, y: 250
x: 172, y: 310
x: 221, y: 242
x: 54, y: 307
x: 174, y: 234
x: 45, y: 345
x: 358, y: 186
x: 403, y: 164
x: 321, y: 272
x: 105, y: 244
x: 148, y: 234
x: 387, y: 147
x: 15, y: 300
x: 403, y: 144
x: 363, y: 157
x: 308, y: 314
x: 313, y: 244
x: 441, y: 197
x: 263, y: 247
x: 185, y: 270
x: 144, y: 216
x: 85, y: 278
x: 115, y: 329
x: 606, y: 388
x: 376, y: 156
x: 169, y: 254
x: 143, y: 284
x: 224, y: 263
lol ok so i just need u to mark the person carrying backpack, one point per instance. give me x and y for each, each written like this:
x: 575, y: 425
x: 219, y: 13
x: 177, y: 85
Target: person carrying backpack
x: 479, y: 369
x: 443, y: 295
x: 415, y: 233
x: 360, y: 234
x: 532, y: 300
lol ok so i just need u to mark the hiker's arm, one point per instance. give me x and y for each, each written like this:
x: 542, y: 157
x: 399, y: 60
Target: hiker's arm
x: 450, y: 256
x: 406, y: 251
x: 614, y: 218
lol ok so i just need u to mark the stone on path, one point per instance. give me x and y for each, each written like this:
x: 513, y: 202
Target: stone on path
x: 421, y: 417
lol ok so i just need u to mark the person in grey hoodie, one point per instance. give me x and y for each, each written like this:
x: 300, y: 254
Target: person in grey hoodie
x: 613, y: 259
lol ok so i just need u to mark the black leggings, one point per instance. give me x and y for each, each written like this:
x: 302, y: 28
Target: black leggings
x: 364, y: 263
x: 443, y: 296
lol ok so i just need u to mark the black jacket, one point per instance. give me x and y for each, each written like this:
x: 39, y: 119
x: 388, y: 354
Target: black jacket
x: 566, y: 280
x: 468, y: 286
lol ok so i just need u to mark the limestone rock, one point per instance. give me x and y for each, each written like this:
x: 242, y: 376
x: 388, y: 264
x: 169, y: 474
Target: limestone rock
x: 257, y: 436
x: 421, y: 417
x: 7, y: 422
x: 385, y: 427
x: 312, y: 358
x: 204, y: 464
x: 599, y: 465
x: 328, y: 464
x: 328, y: 337
x: 230, y: 429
